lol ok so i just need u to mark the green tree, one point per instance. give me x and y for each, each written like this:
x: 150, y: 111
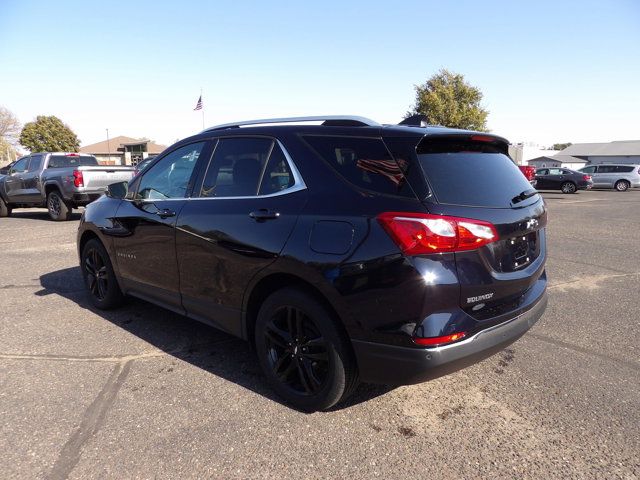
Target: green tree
x: 561, y: 146
x: 446, y: 99
x: 49, y: 134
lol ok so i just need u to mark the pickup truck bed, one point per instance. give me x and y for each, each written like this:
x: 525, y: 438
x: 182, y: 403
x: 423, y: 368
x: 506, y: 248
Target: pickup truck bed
x: 58, y: 181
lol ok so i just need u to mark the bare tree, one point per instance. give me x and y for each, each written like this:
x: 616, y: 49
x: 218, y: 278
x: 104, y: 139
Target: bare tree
x: 9, y: 126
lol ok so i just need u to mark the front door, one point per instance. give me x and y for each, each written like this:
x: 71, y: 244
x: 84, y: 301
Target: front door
x: 14, y: 183
x: 541, y: 179
x: 246, y: 209
x: 145, y: 248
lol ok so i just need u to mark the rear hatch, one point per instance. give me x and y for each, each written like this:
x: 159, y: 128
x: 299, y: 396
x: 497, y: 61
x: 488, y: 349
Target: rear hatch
x: 470, y: 176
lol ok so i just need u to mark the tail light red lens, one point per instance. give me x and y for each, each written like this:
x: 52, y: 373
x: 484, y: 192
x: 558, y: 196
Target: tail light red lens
x: 438, y: 341
x: 78, y: 179
x: 423, y: 233
x: 586, y: 177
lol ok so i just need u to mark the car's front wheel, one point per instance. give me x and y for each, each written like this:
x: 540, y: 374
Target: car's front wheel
x: 303, y: 352
x: 99, y: 278
x: 568, y: 187
x: 5, y: 209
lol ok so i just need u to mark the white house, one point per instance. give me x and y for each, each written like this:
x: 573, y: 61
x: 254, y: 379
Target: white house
x: 622, y: 151
x: 566, y: 161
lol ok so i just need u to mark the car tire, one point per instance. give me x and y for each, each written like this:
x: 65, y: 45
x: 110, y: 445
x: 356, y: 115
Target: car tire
x: 303, y: 351
x: 622, y: 186
x: 568, y: 187
x: 59, y: 210
x: 5, y: 209
x: 99, y: 277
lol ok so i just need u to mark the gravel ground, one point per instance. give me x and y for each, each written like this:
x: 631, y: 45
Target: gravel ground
x: 144, y: 393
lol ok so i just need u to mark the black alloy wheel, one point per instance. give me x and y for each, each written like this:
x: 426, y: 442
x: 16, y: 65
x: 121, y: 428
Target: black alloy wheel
x: 303, y: 351
x: 5, y: 210
x: 99, y: 277
x: 58, y: 209
x: 297, y: 352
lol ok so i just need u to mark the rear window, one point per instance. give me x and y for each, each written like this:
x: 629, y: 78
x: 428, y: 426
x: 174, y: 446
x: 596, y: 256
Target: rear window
x: 63, y: 161
x: 471, y: 173
x: 624, y: 169
x: 363, y: 162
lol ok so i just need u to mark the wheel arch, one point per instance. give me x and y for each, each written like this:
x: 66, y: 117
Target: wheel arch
x: 51, y: 186
x: 272, y: 283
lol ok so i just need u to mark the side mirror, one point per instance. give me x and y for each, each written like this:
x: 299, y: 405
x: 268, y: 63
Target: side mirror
x: 118, y: 190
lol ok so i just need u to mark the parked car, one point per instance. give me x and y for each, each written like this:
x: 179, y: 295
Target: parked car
x: 620, y: 177
x: 563, y: 179
x: 58, y: 181
x: 346, y: 251
x: 530, y: 173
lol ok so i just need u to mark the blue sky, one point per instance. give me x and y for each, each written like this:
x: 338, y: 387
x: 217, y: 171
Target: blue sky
x: 550, y: 71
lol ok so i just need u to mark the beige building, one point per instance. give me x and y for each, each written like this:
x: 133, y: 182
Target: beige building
x: 122, y: 150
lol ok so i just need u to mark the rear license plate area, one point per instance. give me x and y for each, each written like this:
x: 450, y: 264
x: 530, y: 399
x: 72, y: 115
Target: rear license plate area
x: 521, y: 250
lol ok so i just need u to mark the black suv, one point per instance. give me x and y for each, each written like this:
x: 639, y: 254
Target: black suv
x: 344, y: 250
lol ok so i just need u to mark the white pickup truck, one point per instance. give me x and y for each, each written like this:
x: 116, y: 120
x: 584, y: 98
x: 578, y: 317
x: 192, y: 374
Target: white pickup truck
x: 58, y: 181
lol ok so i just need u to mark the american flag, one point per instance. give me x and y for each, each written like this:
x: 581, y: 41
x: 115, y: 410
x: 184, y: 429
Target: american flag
x: 199, y: 104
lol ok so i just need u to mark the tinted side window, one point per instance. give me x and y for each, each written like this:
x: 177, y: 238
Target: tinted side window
x: 364, y: 162
x: 606, y: 169
x: 35, y: 163
x: 542, y: 172
x: 624, y: 169
x: 588, y: 169
x: 20, y: 165
x: 169, y: 178
x: 277, y: 176
x: 236, y: 167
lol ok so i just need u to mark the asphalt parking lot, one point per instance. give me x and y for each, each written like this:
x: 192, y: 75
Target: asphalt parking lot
x: 144, y: 393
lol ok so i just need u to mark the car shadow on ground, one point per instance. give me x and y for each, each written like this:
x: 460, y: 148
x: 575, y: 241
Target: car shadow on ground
x: 205, y: 347
x: 40, y: 215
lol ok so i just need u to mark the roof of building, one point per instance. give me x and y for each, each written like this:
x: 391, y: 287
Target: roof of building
x: 560, y: 158
x: 115, y: 146
x: 544, y: 157
x: 620, y: 147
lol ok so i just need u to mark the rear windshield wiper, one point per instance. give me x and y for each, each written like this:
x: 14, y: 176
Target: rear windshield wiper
x: 523, y: 196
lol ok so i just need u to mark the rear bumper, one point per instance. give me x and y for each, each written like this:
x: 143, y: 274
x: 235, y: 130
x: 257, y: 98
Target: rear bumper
x: 85, y: 198
x: 393, y: 365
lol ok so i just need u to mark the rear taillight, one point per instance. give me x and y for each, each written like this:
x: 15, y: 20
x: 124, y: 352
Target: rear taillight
x: 423, y: 233
x: 78, y: 179
x: 438, y: 341
x: 586, y: 177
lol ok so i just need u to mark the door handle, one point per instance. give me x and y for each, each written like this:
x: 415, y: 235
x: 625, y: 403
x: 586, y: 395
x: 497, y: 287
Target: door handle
x: 264, y: 214
x: 165, y: 213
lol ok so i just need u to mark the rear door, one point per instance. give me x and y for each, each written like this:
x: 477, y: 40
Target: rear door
x: 605, y: 176
x: 31, y: 180
x: 237, y: 224
x: 476, y: 180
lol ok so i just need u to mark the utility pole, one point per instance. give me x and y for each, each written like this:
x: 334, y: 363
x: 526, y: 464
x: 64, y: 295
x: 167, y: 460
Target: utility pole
x: 108, y: 146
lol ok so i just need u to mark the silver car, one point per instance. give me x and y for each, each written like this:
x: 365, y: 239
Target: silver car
x: 620, y: 177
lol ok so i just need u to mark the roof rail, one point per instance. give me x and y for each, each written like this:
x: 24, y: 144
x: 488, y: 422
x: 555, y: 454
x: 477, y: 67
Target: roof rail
x: 330, y: 120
